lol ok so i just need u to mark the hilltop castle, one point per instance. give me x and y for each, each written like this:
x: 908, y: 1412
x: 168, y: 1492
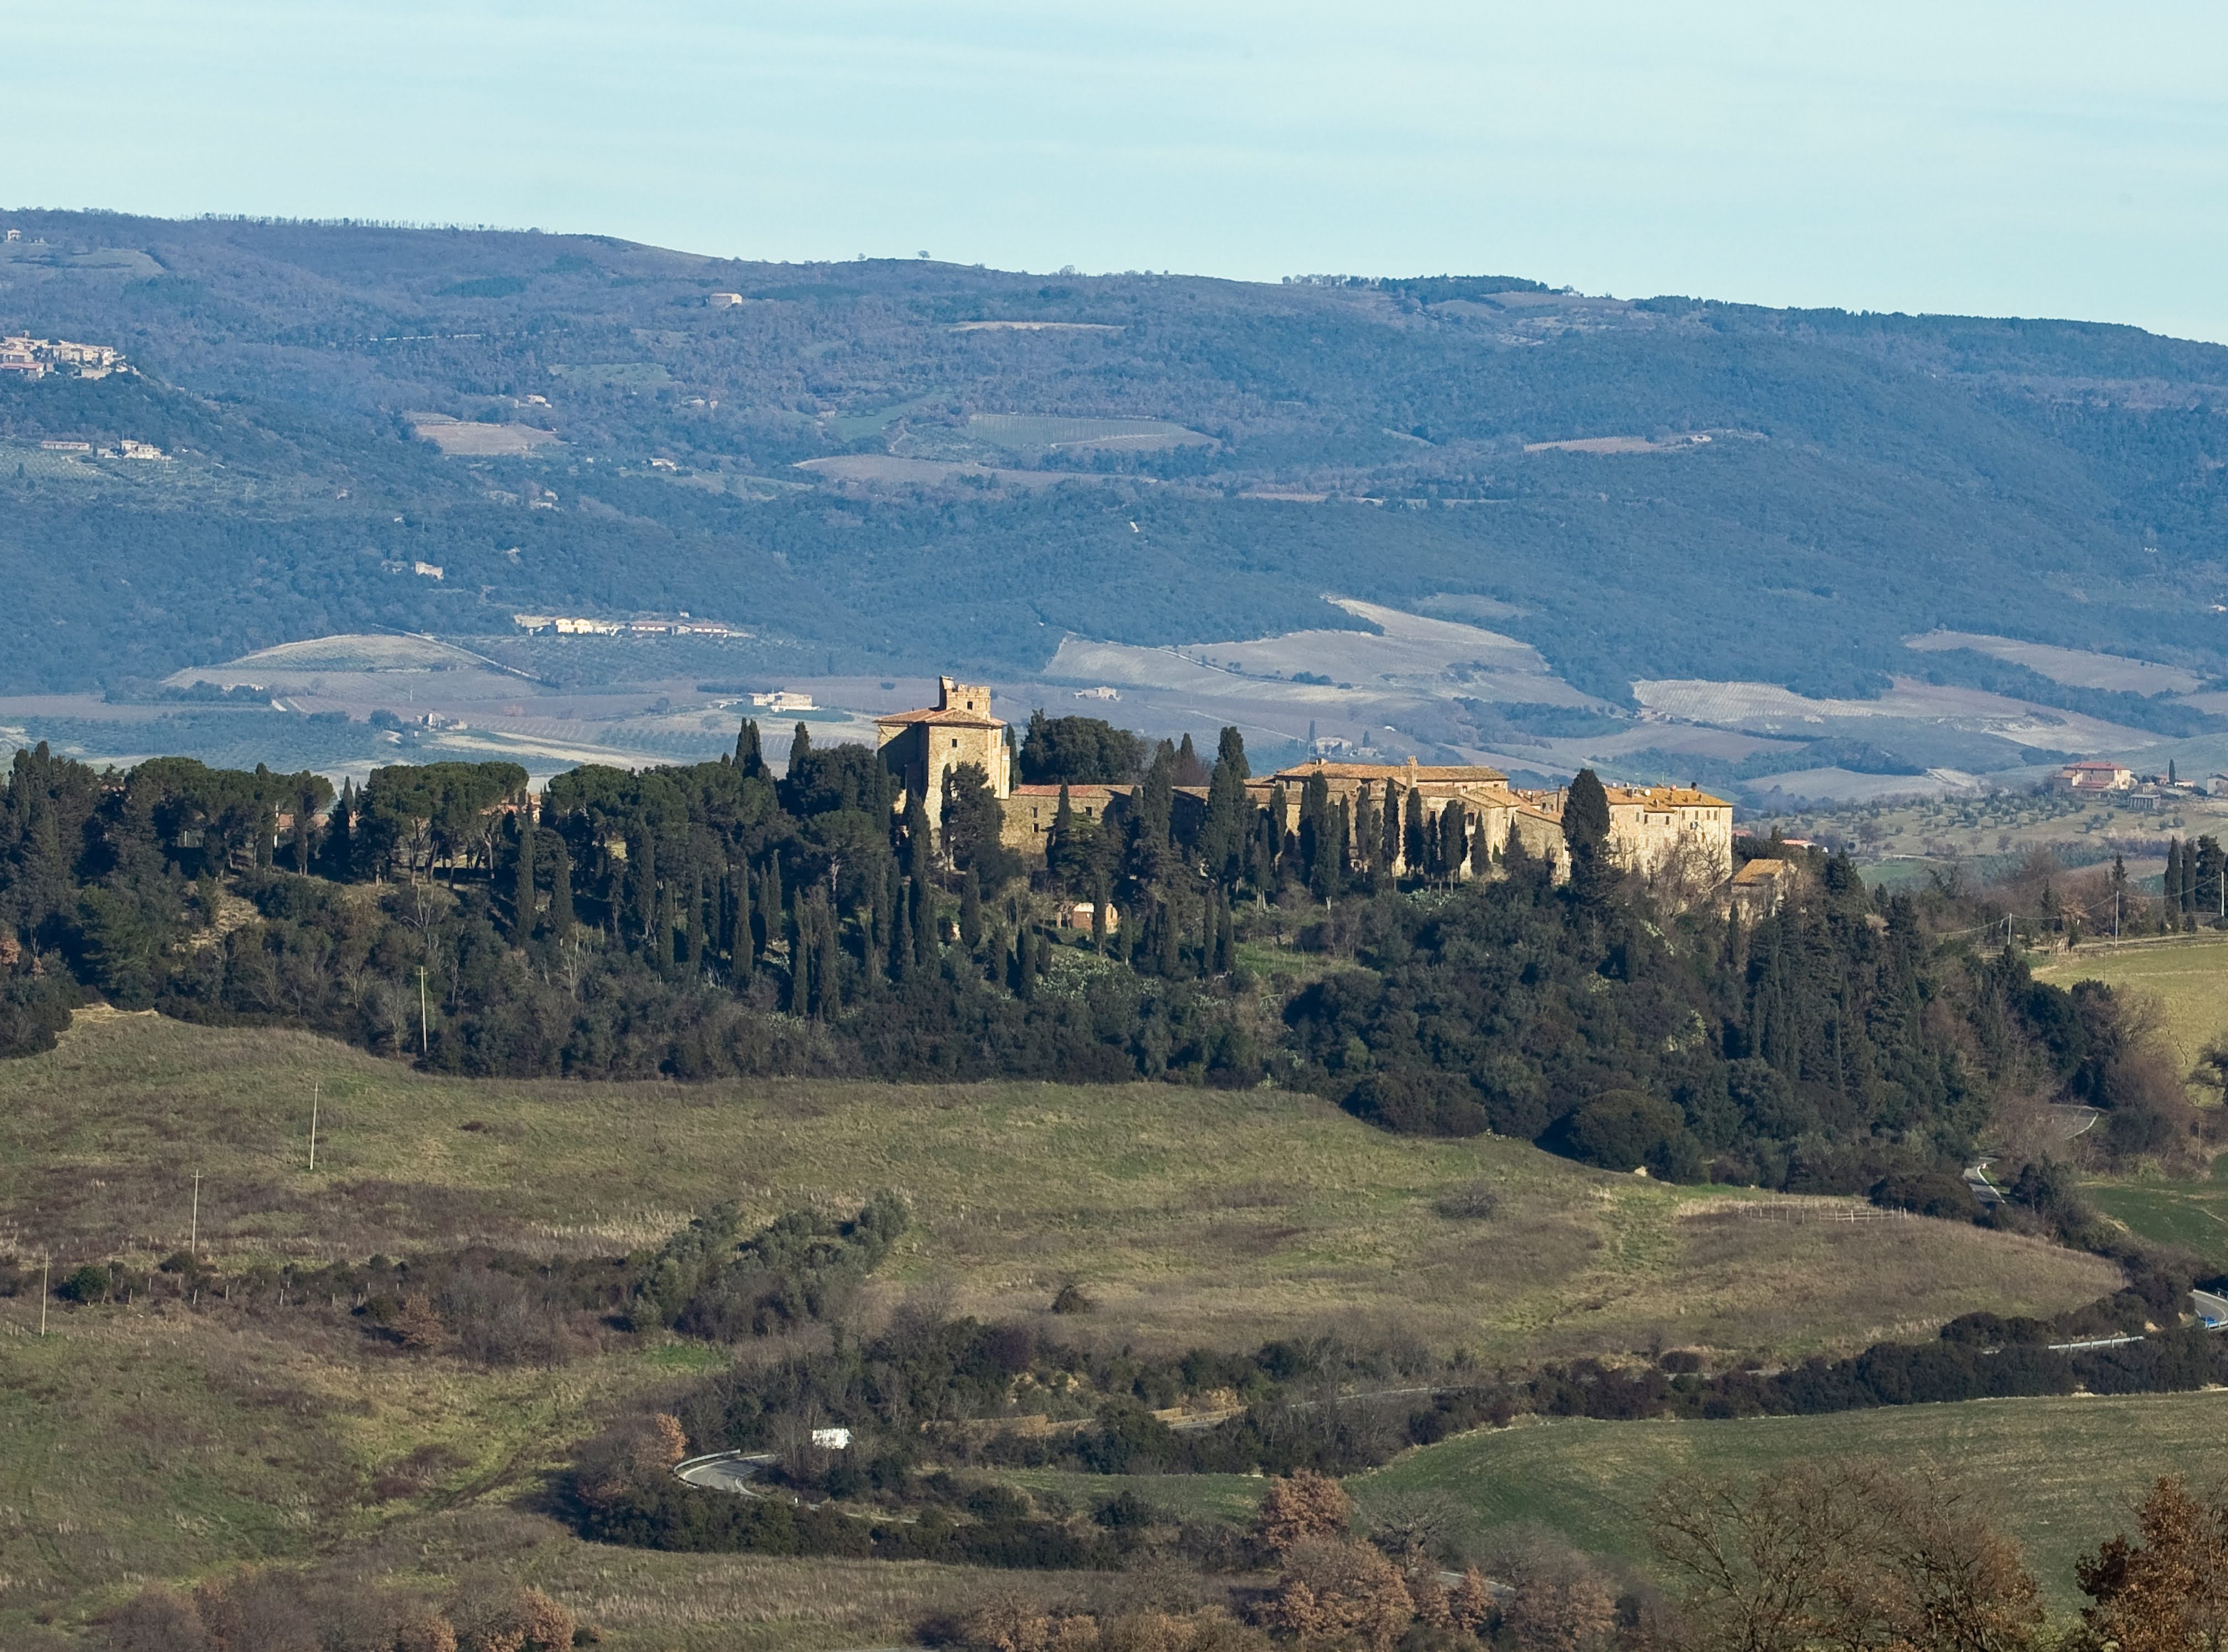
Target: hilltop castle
x: 1653, y: 830
x: 921, y: 747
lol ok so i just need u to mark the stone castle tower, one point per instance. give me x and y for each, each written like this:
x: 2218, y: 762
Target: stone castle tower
x: 921, y: 746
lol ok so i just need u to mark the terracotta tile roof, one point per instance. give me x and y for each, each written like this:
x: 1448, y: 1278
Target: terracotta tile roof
x: 1075, y: 788
x: 1478, y: 772
x: 1665, y: 797
x: 941, y: 719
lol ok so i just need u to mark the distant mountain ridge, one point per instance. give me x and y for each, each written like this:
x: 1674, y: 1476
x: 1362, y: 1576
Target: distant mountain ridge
x: 1800, y: 490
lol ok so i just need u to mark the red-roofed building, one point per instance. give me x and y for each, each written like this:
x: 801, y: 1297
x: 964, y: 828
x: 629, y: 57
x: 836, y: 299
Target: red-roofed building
x: 2096, y: 775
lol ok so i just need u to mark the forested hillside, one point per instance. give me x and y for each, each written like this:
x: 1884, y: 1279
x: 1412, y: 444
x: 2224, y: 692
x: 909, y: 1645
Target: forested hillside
x: 1864, y: 477
x: 712, y: 919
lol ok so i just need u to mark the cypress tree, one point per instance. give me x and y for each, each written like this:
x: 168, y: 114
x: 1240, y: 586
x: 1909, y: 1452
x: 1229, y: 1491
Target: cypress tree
x: 643, y: 861
x: 771, y: 903
x: 698, y: 894
x: 1388, y: 854
x: 1279, y: 802
x: 1585, y: 810
x: 1056, y: 841
x: 800, y: 749
x: 521, y: 884
x: 1226, y: 937
x: 919, y: 849
x: 2177, y: 898
x: 1515, y: 857
x: 828, y: 968
x: 923, y: 927
x: 800, y: 962
x: 1171, y: 940
x: 340, y: 835
x: 1230, y: 752
x: 971, y: 902
x: 749, y: 757
x: 1454, y: 838
x: 1156, y: 796
x: 1415, y: 845
x: 558, y: 919
x: 1585, y: 830
x: 1098, y: 920
x: 901, y: 946
x: 1315, y: 827
x: 1365, y: 831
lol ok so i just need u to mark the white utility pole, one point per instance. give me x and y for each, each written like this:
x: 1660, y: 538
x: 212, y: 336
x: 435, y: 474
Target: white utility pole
x: 194, y: 1233
x: 421, y: 1011
x: 43, y: 1295
x: 314, y: 1086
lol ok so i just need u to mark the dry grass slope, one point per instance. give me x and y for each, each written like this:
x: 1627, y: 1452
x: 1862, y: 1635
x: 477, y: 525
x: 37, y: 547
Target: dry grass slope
x: 2059, y: 1475
x: 1191, y: 1216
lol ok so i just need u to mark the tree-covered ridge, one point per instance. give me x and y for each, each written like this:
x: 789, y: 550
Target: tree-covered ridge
x: 714, y: 919
x: 1867, y: 477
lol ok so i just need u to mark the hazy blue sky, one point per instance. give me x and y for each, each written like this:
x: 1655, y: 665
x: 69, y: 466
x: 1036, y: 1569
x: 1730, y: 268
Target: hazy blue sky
x: 2032, y: 158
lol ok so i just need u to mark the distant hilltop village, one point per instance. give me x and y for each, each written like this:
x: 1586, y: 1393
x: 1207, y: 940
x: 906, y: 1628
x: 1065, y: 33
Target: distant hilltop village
x: 1454, y: 822
x: 35, y: 358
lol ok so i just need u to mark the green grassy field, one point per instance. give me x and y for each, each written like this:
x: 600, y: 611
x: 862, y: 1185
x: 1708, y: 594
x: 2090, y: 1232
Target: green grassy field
x: 137, y: 1445
x: 1191, y: 1216
x: 2192, y: 1214
x: 2059, y: 1475
x: 2188, y: 977
x: 139, y: 1441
